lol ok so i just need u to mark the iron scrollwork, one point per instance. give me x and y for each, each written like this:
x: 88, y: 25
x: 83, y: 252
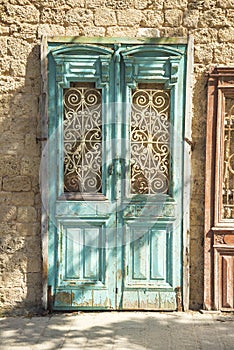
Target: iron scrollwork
x: 150, y: 141
x: 82, y: 140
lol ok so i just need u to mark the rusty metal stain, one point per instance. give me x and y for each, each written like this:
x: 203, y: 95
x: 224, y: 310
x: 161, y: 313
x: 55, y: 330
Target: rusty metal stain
x: 178, y: 299
x: 88, y: 303
x: 64, y: 298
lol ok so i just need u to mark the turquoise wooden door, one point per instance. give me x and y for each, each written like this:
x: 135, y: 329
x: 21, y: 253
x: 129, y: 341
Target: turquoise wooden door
x: 116, y: 116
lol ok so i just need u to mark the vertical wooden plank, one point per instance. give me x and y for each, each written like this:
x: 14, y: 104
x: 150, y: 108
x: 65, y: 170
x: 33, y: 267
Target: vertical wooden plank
x: 187, y: 171
x: 43, y: 122
x: 209, y: 194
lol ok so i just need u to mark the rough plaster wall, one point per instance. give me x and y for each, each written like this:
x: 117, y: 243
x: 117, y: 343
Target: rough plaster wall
x: 22, y: 22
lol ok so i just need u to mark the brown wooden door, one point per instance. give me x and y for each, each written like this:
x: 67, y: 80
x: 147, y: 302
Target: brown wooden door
x: 219, y: 199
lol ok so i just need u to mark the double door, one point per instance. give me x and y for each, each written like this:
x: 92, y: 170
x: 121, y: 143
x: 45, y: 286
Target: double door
x: 116, y: 118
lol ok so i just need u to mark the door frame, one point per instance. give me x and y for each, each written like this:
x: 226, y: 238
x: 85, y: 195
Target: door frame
x: 182, y: 296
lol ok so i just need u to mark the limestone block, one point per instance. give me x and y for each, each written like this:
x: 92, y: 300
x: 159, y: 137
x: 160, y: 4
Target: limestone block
x: 16, y: 183
x: 167, y: 32
x: 205, y: 35
x: 73, y: 30
x: 10, y: 244
x: 11, y: 144
x: 198, y: 185
x: 9, y: 165
x: 152, y: 18
x: 225, y: 4
x: 3, y: 46
x: 10, y: 84
x: 94, y: 4
x: 203, y: 54
x: 35, y: 183
x: 14, y: 14
x: 94, y: 31
x: 50, y: 30
x: 118, y: 4
x: 129, y: 17
x: 24, y: 105
x: 213, y: 18
x: 226, y: 35
x: 104, y: 17
x: 7, y: 228
x: 22, y: 198
x: 191, y: 18
x: 13, y: 278
x: 148, y: 32
x: 17, y: 67
x: 173, y: 18
x: 34, y: 264
x: 5, y: 102
x: 28, y: 229
x: 5, y: 198
x: 32, y: 245
x: 202, y: 4
x: 52, y: 15
x: 31, y: 145
x: 18, y: 48
x: 26, y: 214
x: 38, y: 200
x: 30, y: 166
x: 21, y: 125
x: 4, y: 65
x: 121, y: 31
x: 79, y: 17
x: 172, y: 4
x: 197, y: 210
x: 149, y: 4
x: 24, y: 31
x: 75, y: 3
x: 230, y: 17
x: 7, y: 213
x: 224, y: 53
x: 3, y: 29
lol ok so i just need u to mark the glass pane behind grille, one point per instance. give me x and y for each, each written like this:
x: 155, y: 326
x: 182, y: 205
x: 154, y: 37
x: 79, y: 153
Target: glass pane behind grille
x: 150, y: 140
x: 228, y: 166
x: 82, y: 139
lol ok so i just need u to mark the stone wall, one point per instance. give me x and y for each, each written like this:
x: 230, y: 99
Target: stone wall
x: 22, y: 22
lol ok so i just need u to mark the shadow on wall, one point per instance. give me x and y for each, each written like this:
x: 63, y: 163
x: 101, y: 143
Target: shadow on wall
x: 20, y: 242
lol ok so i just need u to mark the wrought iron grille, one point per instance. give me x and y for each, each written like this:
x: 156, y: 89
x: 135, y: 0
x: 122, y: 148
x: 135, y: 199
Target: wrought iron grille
x: 82, y: 139
x: 150, y: 140
x: 228, y: 172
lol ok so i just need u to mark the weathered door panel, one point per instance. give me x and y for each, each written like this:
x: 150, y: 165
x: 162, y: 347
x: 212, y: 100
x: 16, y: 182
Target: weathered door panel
x: 219, y: 209
x: 151, y: 195
x: 115, y: 178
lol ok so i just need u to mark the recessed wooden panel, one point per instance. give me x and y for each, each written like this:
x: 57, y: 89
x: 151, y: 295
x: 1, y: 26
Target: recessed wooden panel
x: 227, y: 281
x: 148, y: 258
x: 83, y: 256
x: 139, y: 258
